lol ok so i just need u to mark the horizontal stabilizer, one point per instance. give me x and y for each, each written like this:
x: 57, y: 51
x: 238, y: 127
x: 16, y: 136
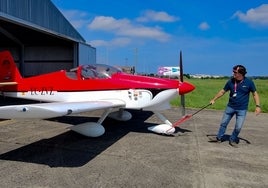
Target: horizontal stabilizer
x: 7, y: 83
x: 57, y: 109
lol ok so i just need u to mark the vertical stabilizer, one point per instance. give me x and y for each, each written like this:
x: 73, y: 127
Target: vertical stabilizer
x: 9, y: 72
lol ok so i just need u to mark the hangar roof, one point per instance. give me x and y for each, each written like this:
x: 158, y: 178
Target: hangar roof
x: 27, y: 21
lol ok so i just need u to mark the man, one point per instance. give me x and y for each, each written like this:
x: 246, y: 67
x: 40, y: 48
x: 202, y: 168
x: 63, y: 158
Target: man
x: 239, y: 87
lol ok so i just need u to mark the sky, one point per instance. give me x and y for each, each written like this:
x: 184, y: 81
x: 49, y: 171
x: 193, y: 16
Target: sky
x: 213, y: 36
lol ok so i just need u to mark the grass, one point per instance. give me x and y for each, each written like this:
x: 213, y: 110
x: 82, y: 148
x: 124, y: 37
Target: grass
x: 206, y: 89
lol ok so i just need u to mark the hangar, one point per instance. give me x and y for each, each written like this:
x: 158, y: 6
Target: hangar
x: 40, y: 38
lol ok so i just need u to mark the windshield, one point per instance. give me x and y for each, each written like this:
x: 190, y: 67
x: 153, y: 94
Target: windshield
x: 98, y: 71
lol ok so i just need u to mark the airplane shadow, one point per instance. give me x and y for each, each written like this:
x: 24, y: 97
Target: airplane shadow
x: 74, y: 150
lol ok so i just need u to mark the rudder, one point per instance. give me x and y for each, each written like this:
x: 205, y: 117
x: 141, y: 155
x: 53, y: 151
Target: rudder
x: 8, y: 69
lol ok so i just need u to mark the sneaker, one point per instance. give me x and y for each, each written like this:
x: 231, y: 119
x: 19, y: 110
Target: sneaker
x: 233, y: 144
x: 214, y: 139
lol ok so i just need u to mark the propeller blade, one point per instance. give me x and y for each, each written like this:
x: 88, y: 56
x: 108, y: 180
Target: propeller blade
x: 181, y: 68
x: 181, y: 79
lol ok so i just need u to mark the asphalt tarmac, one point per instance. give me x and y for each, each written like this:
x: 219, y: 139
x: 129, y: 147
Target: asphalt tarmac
x: 45, y: 153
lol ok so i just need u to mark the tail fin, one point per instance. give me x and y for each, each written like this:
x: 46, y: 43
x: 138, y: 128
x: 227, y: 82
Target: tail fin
x: 9, y: 73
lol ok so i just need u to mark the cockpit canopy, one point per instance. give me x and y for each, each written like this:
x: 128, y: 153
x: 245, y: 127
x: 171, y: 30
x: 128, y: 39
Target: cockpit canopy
x: 94, y: 71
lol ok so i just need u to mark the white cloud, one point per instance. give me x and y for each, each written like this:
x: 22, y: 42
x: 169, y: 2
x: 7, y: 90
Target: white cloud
x: 106, y: 23
x: 161, y: 16
x: 123, y: 27
x: 75, y: 17
x: 97, y: 43
x: 204, y: 26
x: 123, y: 41
x: 254, y: 17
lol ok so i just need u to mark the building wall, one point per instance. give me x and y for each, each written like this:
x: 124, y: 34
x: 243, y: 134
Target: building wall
x: 87, y: 54
x: 44, y: 59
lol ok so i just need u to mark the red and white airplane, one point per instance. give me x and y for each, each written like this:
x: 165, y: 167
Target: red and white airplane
x: 87, y: 88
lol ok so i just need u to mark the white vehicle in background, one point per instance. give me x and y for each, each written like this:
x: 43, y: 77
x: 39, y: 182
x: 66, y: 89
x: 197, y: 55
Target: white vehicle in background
x: 169, y: 71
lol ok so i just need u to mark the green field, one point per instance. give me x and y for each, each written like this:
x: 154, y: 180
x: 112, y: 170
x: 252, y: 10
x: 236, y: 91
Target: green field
x: 206, y: 89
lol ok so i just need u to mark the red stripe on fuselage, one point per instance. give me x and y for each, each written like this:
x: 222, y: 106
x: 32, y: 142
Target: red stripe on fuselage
x: 58, y: 81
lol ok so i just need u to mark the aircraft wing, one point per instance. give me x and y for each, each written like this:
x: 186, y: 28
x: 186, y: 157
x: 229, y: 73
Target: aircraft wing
x: 55, y: 109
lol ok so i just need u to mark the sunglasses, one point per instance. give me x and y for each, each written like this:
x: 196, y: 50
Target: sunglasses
x: 235, y: 72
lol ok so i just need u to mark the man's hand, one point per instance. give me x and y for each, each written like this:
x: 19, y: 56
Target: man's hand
x: 212, y: 102
x: 257, y: 110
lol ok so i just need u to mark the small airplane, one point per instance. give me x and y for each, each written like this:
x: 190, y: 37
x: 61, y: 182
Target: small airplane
x: 87, y: 88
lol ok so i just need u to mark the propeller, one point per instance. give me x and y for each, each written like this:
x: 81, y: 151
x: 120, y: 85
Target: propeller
x: 168, y: 128
x: 181, y: 80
